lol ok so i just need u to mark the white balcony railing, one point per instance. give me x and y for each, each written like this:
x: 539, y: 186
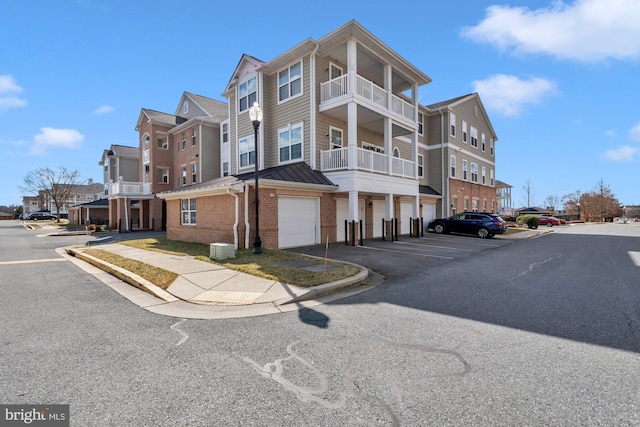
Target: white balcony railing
x: 339, y: 86
x: 125, y: 188
x: 365, y: 160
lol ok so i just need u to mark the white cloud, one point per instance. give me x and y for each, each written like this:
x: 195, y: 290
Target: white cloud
x: 509, y: 95
x: 104, y: 109
x: 634, y: 133
x: 621, y: 154
x: 585, y: 30
x: 9, y: 90
x: 610, y: 133
x: 55, y: 138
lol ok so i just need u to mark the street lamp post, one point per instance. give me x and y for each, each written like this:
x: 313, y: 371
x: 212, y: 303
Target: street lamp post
x: 255, y: 114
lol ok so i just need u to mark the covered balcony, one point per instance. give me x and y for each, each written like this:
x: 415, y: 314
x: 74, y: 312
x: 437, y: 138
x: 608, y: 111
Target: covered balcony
x: 128, y: 189
x: 356, y: 158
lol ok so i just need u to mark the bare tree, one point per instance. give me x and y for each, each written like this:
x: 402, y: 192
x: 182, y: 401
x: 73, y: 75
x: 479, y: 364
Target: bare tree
x: 552, y: 202
x: 55, y: 185
x: 529, y: 195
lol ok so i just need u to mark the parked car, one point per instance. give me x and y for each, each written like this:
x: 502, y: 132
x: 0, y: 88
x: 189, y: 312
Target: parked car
x: 35, y: 216
x: 481, y: 224
x: 549, y: 221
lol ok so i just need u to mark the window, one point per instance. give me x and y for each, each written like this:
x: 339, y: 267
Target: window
x: 452, y: 124
x: 188, y: 209
x: 474, y: 204
x: 164, y: 176
x: 464, y: 170
x: 193, y: 137
x: 185, y: 107
x: 106, y: 167
x: 396, y: 152
x: 474, y: 137
x: 464, y: 131
x: 454, y: 205
x: 225, y: 169
x: 163, y: 142
x: 474, y: 172
x: 184, y: 175
x: 491, y: 180
x: 183, y: 144
x: 146, y: 142
x: 453, y: 166
x: 225, y: 133
x: 484, y: 206
x: 491, y: 146
x: 290, y: 143
x: 484, y: 175
x: 420, y: 124
x: 247, y: 94
x: 146, y: 168
x: 290, y: 82
x: 335, y: 138
x: 420, y: 166
x: 247, y: 152
x: 482, y: 142
x: 193, y: 172
x: 371, y: 147
x: 466, y: 204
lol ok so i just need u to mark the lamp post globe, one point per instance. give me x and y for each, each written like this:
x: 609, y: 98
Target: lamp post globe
x: 255, y: 114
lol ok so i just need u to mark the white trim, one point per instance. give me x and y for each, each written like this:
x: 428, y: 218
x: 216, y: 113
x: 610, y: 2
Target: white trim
x: 288, y: 67
x: 289, y: 128
x: 331, y: 144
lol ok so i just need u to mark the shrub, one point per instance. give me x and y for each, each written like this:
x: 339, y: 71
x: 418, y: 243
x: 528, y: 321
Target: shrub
x: 531, y: 221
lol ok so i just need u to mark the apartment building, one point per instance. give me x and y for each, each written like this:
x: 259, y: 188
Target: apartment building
x: 344, y: 151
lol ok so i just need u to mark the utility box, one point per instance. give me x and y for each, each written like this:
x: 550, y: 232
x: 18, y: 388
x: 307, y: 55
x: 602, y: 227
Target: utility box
x: 221, y: 251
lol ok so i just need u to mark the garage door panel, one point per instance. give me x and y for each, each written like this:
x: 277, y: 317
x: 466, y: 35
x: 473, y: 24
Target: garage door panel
x: 298, y: 221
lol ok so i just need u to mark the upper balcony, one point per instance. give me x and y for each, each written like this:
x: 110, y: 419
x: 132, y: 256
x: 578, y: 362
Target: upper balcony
x: 357, y: 158
x: 146, y: 157
x: 128, y: 189
x: 341, y: 90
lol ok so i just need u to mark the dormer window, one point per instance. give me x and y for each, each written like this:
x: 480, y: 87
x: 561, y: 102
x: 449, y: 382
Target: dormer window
x: 185, y: 107
x: 247, y: 94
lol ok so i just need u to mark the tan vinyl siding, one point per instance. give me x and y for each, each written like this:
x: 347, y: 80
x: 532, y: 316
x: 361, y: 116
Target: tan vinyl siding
x: 129, y: 169
x: 289, y: 112
x: 209, y: 165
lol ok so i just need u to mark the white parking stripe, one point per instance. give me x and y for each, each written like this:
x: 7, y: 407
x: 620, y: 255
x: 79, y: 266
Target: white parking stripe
x: 635, y: 257
x: 405, y: 252
x: 31, y: 261
x: 434, y: 246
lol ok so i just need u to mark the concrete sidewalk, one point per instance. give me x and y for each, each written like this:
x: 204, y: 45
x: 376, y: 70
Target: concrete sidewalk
x: 205, y: 290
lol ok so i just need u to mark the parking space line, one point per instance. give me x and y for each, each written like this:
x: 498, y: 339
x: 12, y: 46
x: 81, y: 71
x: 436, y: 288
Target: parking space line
x: 434, y: 246
x: 31, y: 261
x: 470, y: 241
x: 405, y: 252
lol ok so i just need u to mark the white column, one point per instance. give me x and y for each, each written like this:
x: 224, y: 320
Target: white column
x: 352, y: 134
x: 353, y: 206
x: 388, y: 207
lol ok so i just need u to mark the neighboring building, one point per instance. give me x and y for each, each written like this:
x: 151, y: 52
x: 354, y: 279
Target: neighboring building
x: 81, y: 193
x: 96, y: 212
x: 344, y: 152
x: 31, y: 204
x: 503, y: 195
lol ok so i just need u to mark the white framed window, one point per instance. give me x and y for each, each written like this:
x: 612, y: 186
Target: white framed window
x: 185, y: 107
x: 184, y: 175
x: 491, y: 146
x: 420, y: 124
x: 335, y: 138
x: 464, y: 131
x: 474, y: 137
x: 483, y: 143
x: 396, y: 152
x: 247, y: 94
x: 484, y: 175
x: 193, y: 172
x: 491, y: 178
x: 453, y: 166
x: 474, y: 205
x: 146, y: 142
x: 225, y: 169
x: 420, y: 166
x: 224, y: 133
x: 372, y: 147
x: 290, y: 143
x: 106, y: 167
x: 247, y: 151
x: 183, y: 142
x: 290, y: 82
x: 163, y: 174
x: 193, y: 137
x: 452, y: 124
x: 335, y: 71
x: 464, y: 170
x: 466, y: 204
x: 188, y: 211
x: 474, y: 172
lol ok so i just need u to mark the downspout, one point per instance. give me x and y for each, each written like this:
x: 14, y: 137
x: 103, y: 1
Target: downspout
x: 126, y: 214
x: 246, y: 217
x: 235, y: 224
x: 312, y: 110
x: 445, y: 195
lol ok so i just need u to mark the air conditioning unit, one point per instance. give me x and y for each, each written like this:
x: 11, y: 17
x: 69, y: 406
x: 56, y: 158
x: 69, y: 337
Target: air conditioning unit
x: 221, y: 251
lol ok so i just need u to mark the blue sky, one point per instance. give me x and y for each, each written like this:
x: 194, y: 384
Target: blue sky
x: 559, y: 80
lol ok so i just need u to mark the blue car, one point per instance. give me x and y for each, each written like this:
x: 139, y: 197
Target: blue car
x: 482, y: 224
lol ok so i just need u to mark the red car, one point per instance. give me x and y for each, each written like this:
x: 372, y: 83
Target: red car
x: 549, y: 221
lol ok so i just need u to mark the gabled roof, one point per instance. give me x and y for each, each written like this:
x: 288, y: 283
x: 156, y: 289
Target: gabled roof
x: 247, y: 62
x: 502, y: 184
x: 95, y: 204
x: 217, y: 110
x: 157, y: 117
x: 450, y: 103
x: 120, y: 151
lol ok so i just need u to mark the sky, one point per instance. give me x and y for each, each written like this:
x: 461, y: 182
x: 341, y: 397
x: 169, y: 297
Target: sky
x: 560, y: 80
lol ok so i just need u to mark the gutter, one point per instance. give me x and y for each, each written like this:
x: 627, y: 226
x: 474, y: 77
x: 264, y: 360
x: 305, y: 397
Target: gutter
x: 235, y: 224
x: 312, y: 109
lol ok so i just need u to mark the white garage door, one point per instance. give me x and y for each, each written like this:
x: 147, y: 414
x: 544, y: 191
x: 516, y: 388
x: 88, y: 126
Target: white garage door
x: 428, y: 213
x: 378, y: 217
x: 406, y: 209
x: 298, y: 221
x: 342, y: 215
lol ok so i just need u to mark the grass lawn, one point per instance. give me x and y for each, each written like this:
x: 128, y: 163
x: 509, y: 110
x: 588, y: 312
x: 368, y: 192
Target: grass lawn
x: 265, y: 265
